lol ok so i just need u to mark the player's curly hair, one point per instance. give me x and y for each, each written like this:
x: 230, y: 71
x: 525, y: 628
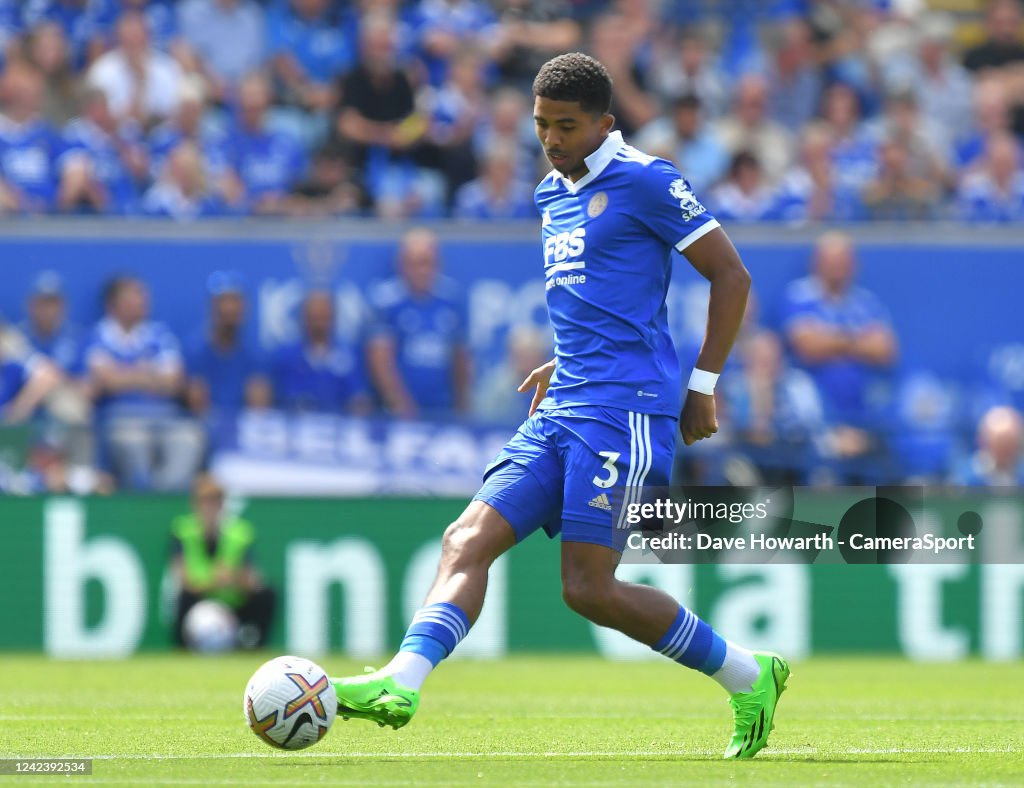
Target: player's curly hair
x: 575, y: 77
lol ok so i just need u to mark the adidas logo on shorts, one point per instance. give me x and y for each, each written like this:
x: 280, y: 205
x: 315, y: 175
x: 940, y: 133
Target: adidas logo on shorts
x: 601, y: 502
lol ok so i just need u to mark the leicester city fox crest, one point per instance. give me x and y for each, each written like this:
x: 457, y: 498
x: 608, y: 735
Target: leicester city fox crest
x: 688, y: 202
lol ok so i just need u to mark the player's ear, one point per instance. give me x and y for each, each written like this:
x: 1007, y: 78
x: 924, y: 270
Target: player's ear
x: 607, y: 123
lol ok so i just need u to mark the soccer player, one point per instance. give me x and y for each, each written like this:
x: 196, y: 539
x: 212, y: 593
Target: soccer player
x: 604, y: 412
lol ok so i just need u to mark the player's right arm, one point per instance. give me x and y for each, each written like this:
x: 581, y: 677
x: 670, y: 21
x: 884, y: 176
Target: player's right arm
x: 541, y: 378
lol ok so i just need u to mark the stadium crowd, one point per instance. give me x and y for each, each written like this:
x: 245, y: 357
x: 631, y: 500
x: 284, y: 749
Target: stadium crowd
x: 781, y: 110
x: 817, y: 398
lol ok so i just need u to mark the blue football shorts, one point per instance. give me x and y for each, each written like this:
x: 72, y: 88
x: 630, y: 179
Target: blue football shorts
x: 570, y: 470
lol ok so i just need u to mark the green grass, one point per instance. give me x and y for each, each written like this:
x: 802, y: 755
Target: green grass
x: 527, y: 721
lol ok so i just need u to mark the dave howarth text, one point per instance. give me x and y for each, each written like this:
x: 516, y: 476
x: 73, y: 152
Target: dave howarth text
x: 675, y: 512
x: 638, y: 541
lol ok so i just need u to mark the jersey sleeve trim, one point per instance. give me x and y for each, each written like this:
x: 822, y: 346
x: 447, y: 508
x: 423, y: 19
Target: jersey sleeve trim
x: 697, y: 234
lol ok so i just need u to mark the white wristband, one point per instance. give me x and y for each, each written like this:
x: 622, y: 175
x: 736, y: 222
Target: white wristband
x: 702, y: 382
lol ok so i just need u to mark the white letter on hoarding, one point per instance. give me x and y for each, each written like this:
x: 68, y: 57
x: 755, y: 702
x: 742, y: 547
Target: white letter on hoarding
x: 919, y: 615
x: 69, y: 564
x: 1002, y: 583
x: 312, y: 568
x: 781, y: 603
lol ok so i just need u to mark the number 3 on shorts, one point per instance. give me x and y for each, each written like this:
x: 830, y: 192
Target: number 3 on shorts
x: 611, y: 457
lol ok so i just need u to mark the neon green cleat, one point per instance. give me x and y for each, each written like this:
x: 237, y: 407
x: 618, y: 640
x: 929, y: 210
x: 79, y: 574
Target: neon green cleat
x: 375, y: 698
x: 754, y: 712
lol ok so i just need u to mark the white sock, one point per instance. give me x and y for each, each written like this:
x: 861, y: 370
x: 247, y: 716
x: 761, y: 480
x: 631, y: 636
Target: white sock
x: 408, y: 669
x: 739, y: 671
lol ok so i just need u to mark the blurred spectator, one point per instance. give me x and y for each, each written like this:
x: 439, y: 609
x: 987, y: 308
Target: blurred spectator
x: 140, y: 82
x: 611, y: 43
x: 841, y: 334
x: 102, y: 161
x: 29, y: 147
x: 991, y: 116
x: 744, y: 196
x: 81, y: 21
x: 529, y: 33
x: 183, y: 191
x: 1001, y: 54
x: 455, y: 110
x: 378, y: 122
x: 47, y: 50
x: 926, y: 411
x: 188, y: 125
x: 497, y: 193
x: 269, y: 163
x: 418, y: 358
x: 212, y: 558
x: 510, y: 122
x: 684, y: 139
x: 49, y: 334
x: 748, y: 128
x: 811, y: 191
x: 228, y: 38
x: 927, y: 145
x: 1002, y: 45
x: 998, y: 461
x: 994, y: 192
x: 445, y: 27
x: 26, y: 378
x: 47, y: 329
x: 319, y: 374
x: 225, y: 374
x: 310, y: 43
x: 898, y: 192
x: 331, y: 188
x: 794, y: 76
x: 692, y: 72
x: 853, y: 149
x: 498, y: 399
x: 161, y: 21
x: 941, y: 85
x: 137, y: 375
x: 774, y: 411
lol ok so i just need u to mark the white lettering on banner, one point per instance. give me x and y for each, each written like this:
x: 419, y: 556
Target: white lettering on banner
x: 70, y: 562
x: 313, y: 570
x: 773, y: 614
x: 673, y: 579
x: 1002, y: 583
x: 919, y: 611
x: 488, y: 638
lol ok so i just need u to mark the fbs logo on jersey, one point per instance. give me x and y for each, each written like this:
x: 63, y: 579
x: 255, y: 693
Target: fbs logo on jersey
x: 601, y: 502
x: 688, y: 202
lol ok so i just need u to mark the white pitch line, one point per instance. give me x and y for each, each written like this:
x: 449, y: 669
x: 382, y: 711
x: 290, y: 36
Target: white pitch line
x: 513, y: 754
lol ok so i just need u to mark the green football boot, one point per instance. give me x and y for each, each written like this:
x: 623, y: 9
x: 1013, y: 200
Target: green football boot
x: 754, y: 712
x: 375, y: 698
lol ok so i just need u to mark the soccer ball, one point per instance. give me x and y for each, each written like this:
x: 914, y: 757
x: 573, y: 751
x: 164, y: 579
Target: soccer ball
x: 210, y: 627
x: 290, y: 703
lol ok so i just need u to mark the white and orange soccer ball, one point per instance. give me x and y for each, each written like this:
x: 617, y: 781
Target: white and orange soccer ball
x: 290, y: 703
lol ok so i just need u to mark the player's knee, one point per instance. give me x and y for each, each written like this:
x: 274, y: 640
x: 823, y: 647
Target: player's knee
x: 589, y: 596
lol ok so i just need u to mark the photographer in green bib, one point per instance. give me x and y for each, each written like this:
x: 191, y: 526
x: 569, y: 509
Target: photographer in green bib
x: 212, y: 559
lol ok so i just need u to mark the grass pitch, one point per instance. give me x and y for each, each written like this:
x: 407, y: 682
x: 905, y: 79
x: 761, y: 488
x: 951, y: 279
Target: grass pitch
x: 556, y: 721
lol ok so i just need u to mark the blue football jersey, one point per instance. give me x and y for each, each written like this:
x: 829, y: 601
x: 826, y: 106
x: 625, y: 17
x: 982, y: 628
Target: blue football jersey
x: 607, y: 262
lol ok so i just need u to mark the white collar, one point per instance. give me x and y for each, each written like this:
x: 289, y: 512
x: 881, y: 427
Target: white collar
x: 596, y: 161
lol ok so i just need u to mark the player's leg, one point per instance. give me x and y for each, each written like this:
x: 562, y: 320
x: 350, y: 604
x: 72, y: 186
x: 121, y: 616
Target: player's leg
x: 754, y: 680
x: 605, y: 446
x: 512, y: 503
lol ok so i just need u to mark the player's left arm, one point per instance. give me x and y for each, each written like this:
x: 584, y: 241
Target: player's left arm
x: 717, y: 260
